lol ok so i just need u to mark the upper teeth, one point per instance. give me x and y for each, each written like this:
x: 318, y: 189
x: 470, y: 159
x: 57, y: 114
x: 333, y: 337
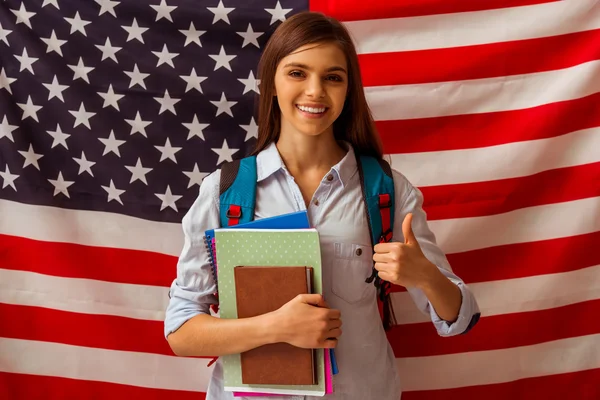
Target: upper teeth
x: 312, y: 110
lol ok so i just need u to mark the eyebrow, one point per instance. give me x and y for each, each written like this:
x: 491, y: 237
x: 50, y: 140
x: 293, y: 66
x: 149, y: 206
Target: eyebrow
x: 304, y: 66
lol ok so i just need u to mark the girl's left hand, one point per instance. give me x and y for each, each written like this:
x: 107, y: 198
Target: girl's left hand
x: 404, y: 263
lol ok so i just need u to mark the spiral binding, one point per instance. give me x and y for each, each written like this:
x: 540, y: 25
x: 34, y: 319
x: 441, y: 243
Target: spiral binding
x: 210, y: 248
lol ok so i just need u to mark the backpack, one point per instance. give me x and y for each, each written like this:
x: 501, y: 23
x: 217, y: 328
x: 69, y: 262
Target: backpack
x: 237, y: 199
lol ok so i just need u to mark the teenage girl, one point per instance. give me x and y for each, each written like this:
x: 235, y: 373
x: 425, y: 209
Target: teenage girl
x: 313, y: 119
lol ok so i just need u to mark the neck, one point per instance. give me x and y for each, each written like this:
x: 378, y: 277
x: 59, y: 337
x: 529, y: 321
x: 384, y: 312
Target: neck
x: 302, y: 154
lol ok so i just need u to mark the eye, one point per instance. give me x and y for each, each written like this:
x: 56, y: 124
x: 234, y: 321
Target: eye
x: 296, y: 74
x: 335, y: 78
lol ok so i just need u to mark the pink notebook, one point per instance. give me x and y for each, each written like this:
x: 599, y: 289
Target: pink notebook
x: 328, y: 381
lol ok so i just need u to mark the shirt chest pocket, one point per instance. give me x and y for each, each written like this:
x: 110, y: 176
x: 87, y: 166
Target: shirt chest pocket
x: 352, y: 265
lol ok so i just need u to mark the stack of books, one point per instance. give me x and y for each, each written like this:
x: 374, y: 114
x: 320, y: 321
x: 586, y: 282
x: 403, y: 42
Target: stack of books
x: 260, y: 266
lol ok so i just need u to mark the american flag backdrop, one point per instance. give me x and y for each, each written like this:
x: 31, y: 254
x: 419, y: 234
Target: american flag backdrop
x: 112, y: 112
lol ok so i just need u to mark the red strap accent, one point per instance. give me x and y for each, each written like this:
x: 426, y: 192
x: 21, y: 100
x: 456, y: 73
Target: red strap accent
x: 234, y: 214
x: 384, y: 210
x: 212, y: 361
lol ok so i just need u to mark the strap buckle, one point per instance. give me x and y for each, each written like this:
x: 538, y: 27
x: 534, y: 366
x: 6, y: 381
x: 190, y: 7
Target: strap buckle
x: 234, y: 212
x: 385, y: 201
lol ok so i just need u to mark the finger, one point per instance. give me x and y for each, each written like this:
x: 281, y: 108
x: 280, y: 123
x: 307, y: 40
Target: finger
x: 334, y: 324
x: 382, y: 257
x: 334, y: 314
x: 330, y: 344
x: 381, y: 267
x: 385, y: 276
x: 409, y: 236
x: 312, y: 299
x: 382, y: 248
x: 334, y: 333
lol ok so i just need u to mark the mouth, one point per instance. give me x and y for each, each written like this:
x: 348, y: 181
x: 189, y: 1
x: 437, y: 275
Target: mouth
x: 312, y: 112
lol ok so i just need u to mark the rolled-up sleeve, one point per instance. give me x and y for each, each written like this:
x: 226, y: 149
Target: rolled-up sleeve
x: 410, y: 200
x: 193, y: 290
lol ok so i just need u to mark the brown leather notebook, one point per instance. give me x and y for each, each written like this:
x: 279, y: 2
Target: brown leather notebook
x: 260, y: 290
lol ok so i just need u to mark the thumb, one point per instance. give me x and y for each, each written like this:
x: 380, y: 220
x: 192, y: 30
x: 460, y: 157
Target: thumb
x: 409, y: 236
x: 314, y: 299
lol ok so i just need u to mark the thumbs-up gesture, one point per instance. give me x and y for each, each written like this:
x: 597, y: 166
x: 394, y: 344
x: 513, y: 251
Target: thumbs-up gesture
x: 403, y: 263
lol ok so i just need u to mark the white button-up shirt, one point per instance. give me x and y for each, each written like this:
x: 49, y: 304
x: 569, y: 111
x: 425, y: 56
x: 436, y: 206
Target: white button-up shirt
x: 367, y: 365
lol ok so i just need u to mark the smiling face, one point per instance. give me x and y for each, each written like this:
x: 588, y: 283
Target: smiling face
x: 311, y: 85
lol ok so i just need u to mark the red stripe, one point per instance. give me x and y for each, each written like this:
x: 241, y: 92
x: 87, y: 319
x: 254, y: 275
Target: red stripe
x: 480, y: 61
x: 499, y: 331
x: 22, y: 386
x: 489, y: 129
x: 87, y: 330
x: 582, y: 385
x: 505, y: 195
x: 88, y: 262
x: 353, y: 10
x: 527, y: 259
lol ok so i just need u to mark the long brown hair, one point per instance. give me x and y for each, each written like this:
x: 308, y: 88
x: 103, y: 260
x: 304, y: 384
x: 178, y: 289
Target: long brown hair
x: 355, y: 123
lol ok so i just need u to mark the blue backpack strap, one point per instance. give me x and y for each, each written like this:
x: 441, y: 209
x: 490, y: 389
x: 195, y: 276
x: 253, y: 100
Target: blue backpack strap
x: 237, y: 192
x: 377, y: 184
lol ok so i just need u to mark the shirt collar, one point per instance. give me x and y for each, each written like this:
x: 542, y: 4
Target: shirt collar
x: 269, y: 161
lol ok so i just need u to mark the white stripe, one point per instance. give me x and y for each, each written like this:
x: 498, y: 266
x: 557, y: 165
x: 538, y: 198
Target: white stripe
x: 517, y: 295
x: 149, y: 303
x: 92, y: 228
x: 511, y: 160
x: 123, y: 367
x: 498, y: 366
x: 474, y: 28
x: 514, y: 92
x: 83, y: 295
x: 180, y: 373
x: 551, y: 221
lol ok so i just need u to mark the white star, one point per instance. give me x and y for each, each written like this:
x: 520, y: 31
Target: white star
x: 60, y: 185
x: 168, y: 151
x: 107, y: 6
x: 23, y: 15
x: 26, y: 61
x: 138, y: 125
x: 251, y: 130
x: 58, y: 137
x: 225, y: 153
x: 113, y: 192
x: 195, y: 176
x: 55, y: 89
x: 138, y: 172
x: 7, y: 129
x: 193, y: 81
x: 137, y: 78
x: 77, y: 24
x: 167, y: 103
x: 84, y: 164
x: 80, y: 71
x: 5, y: 81
x: 3, y: 34
x: 53, y: 43
x: 111, y: 98
x: 31, y: 158
x: 192, y: 35
x: 134, y: 31
x: 220, y: 12
x: 53, y: 2
x: 111, y: 144
x: 29, y: 109
x: 250, y: 84
x: 82, y: 117
x: 277, y: 13
x: 224, y: 106
x: 164, y: 57
x: 168, y: 199
x: 195, y: 128
x: 250, y: 37
x: 163, y: 10
x: 109, y: 51
x: 222, y: 59
x: 8, y: 178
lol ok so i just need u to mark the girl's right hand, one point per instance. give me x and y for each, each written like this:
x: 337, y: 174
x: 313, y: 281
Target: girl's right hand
x: 307, y: 321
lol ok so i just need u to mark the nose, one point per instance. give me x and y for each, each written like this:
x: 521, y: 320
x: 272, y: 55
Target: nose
x: 315, y: 87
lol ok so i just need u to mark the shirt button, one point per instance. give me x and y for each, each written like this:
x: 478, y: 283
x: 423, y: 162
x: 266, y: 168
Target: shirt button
x: 316, y: 202
x: 358, y: 252
x: 329, y: 177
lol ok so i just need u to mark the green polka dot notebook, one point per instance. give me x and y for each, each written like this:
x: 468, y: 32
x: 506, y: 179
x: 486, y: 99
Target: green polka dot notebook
x: 265, y: 247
